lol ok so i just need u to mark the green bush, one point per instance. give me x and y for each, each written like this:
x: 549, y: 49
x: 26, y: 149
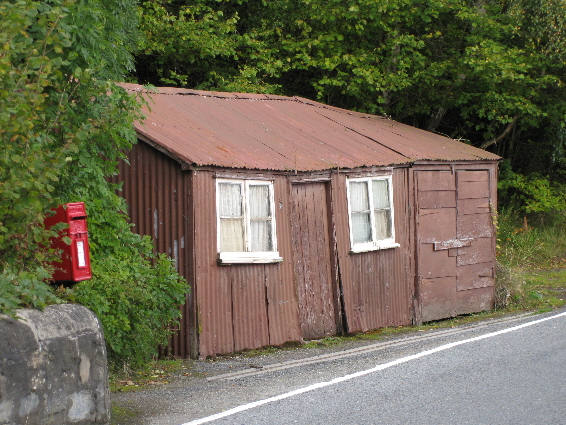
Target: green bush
x: 136, y: 302
x: 63, y: 127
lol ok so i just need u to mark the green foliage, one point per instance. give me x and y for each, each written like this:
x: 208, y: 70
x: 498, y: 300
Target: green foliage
x: 533, y: 193
x: 531, y: 255
x: 24, y: 289
x: 63, y: 128
x: 490, y: 73
x: 530, y: 242
x: 136, y: 302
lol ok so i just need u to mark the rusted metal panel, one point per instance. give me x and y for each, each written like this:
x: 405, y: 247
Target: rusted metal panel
x: 474, y: 206
x: 377, y: 286
x: 278, y: 133
x: 467, y: 190
x: 249, y: 309
x: 475, y: 226
x: 437, y: 225
x: 157, y: 191
x: 214, y: 293
x: 406, y: 139
x: 283, y: 310
x: 481, y: 251
x: 434, y: 199
x: 242, y: 306
x: 475, y: 276
x: 312, y: 260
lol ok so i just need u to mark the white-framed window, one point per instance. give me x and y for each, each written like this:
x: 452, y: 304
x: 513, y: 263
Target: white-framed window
x: 246, y: 221
x: 370, y: 213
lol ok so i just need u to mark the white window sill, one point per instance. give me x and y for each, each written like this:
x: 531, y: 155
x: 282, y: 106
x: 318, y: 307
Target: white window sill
x: 374, y: 247
x: 249, y: 257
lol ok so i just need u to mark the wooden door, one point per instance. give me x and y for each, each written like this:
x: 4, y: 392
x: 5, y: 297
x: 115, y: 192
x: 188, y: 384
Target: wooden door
x: 455, y: 237
x: 312, y: 260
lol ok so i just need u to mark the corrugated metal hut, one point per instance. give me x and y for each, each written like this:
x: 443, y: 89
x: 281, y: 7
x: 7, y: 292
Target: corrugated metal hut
x: 295, y: 220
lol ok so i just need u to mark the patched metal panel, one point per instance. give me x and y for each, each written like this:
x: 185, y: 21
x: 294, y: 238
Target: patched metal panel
x: 455, y: 270
x: 475, y: 226
x: 435, y: 263
x: 312, y: 260
x: 474, y: 206
x: 437, y: 224
x: 481, y: 251
x: 434, y: 199
x: 438, y: 298
x: 475, y: 276
x: 467, y: 190
x: 436, y: 180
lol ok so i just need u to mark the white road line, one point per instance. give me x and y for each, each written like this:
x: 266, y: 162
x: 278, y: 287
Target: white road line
x: 365, y: 372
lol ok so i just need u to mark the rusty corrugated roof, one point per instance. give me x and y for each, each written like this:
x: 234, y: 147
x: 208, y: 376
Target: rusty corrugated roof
x: 267, y: 132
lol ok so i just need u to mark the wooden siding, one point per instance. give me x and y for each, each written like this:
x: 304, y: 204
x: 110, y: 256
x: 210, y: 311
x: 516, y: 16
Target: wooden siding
x: 456, y: 239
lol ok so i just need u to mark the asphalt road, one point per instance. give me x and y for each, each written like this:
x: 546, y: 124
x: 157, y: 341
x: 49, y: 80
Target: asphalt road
x: 498, y: 372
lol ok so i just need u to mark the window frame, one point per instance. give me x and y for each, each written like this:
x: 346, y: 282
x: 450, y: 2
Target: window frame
x: 247, y: 256
x: 375, y: 244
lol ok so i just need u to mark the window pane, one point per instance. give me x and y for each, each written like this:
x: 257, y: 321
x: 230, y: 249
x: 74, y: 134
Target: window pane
x: 380, y: 194
x: 230, y: 200
x: 260, y: 234
x: 383, y: 224
x: 232, y: 235
x: 259, y: 201
x: 361, y: 227
x: 359, y: 200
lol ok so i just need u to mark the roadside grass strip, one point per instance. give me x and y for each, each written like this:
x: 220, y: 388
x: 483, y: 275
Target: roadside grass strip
x: 378, y: 368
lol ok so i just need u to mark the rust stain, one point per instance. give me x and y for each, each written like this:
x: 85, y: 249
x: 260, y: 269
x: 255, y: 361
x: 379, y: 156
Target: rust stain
x: 268, y: 132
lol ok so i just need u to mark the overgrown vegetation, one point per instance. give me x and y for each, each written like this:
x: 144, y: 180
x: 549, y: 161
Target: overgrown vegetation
x: 63, y: 125
x: 532, y: 260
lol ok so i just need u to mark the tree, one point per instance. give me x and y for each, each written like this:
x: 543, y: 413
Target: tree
x: 64, y: 125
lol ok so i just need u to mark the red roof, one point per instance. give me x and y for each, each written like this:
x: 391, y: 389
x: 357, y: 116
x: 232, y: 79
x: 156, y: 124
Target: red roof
x: 267, y: 132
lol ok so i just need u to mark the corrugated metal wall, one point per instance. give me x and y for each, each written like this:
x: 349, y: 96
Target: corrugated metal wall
x: 158, y: 193
x: 242, y: 306
x: 246, y: 306
x: 377, y: 286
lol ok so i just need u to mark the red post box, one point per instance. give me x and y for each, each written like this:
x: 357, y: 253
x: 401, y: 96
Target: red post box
x: 75, y: 264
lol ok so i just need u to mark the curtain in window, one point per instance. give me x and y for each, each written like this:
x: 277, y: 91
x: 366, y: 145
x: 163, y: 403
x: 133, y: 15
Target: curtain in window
x: 260, y: 218
x: 382, y: 209
x: 231, y: 218
x: 359, y: 206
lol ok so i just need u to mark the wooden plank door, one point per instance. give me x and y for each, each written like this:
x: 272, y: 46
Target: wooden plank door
x: 312, y: 260
x: 455, y: 231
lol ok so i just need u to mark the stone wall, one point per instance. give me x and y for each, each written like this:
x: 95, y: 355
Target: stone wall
x: 53, y: 368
